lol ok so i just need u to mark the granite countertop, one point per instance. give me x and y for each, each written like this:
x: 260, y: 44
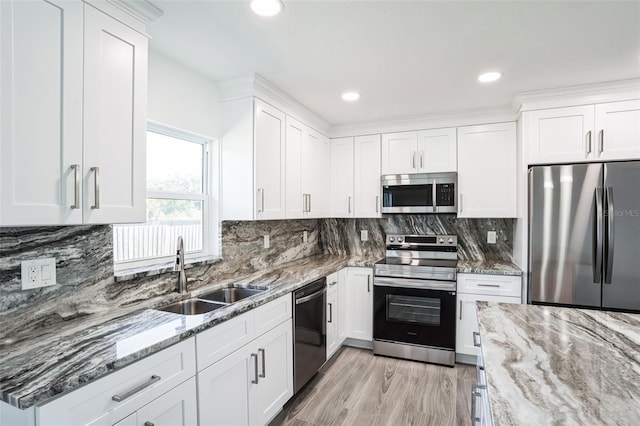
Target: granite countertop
x: 488, y: 267
x: 566, y: 366
x: 71, y: 355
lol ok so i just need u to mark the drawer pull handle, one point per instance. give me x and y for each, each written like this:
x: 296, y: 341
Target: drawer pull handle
x: 264, y: 364
x: 120, y: 398
x: 488, y: 285
x: 255, y: 369
x: 476, y: 343
x: 149, y: 424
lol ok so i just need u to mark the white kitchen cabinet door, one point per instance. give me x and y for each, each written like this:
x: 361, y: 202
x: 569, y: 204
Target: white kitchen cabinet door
x: 400, y: 153
x: 367, y: 176
x: 617, y: 130
x: 315, y: 165
x: 40, y: 112
x: 223, y: 389
x: 275, y: 373
x: 269, y: 145
x: 332, y: 322
x: 360, y: 304
x: 487, y: 170
x: 341, y: 176
x: 437, y: 151
x: 115, y: 121
x: 178, y: 407
x: 468, y: 319
x: 293, y: 177
x: 560, y: 135
x: 342, y: 305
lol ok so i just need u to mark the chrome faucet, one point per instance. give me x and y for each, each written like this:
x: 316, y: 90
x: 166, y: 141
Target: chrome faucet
x: 179, y: 267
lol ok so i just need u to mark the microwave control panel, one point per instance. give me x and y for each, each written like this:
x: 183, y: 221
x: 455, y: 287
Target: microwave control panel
x: 445, y: 194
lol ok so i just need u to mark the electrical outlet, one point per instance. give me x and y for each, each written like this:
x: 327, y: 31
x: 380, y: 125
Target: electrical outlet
x: 38, y: 273
x: 266, y: 241
x: 364, y: 235
x: 491, y: 237
x: 305, y: 236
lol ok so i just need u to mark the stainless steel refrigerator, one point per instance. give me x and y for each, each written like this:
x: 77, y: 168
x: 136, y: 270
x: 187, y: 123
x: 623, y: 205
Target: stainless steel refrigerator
x: 584, y: 235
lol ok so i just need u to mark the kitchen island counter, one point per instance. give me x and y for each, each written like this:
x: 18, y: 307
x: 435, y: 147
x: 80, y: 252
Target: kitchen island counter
x: 551, y: 365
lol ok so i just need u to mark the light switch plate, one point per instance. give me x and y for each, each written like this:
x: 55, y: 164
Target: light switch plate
x: 38, y: 273
x: 491, y: 237
x: 364, y: 235
x: 266, y: 241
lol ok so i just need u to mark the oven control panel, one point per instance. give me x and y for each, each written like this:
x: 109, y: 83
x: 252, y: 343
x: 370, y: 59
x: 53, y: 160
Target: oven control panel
x: 422, y: 240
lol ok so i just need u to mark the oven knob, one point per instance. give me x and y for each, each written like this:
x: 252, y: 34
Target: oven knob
x: 441, y: 240
x: 450, y: 241
x: 391, y: 239
x: 399, y: 239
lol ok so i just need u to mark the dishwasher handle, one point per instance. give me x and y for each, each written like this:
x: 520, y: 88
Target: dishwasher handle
x: 311, y: 296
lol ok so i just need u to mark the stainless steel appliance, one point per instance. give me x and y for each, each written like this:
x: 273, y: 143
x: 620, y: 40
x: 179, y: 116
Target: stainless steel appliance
x: 584, y: 235
x: 309, y: 332
x: 414, y: 298
x: 419, y: 193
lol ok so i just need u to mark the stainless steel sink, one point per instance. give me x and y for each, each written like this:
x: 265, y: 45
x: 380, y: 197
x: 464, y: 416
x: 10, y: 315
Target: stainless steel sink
x: 231, y: 294
x: 192, y: 307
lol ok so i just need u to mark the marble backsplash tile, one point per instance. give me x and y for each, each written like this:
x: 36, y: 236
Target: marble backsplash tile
x: 342, y: 236
x: 84, y: 269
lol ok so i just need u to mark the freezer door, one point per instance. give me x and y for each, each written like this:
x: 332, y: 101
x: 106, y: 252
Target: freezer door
x: 621, y: 288
x: 565, y: 234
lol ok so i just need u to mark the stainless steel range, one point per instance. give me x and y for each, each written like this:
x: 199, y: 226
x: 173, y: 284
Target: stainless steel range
x: 414, y: 298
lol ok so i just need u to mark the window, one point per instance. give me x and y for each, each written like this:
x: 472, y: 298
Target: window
x: 180, y: 201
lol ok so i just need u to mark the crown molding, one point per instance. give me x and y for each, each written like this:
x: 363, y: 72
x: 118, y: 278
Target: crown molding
x: 425, y: 122
x: 585, y: 94
x: 258, y: 86
x: 143, y: 10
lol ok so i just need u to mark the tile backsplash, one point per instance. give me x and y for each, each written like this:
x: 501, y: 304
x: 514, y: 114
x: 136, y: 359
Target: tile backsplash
x: 84, y: 260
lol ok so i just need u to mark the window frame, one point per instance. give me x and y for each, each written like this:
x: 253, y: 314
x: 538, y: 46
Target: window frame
x: 209, y: 197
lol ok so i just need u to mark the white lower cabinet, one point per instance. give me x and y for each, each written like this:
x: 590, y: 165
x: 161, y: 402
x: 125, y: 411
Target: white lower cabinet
x: 360, y: 302
x: 248, y: 383
x: 477, y: 287
x: 333, y: 305
x: 178, y: 407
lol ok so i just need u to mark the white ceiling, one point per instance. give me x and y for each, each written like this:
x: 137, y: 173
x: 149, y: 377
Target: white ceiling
x: 406, y: 58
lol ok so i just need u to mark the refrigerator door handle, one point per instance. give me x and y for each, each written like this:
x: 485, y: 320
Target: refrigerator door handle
x: 609, y: 243
x: 597, y: 237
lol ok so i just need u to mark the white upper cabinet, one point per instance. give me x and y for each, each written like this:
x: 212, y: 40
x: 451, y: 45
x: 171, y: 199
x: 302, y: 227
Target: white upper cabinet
x: 399, y: 153
x: 115, y: 121
x: 617, y: 130
x: 81, y: 76
x: 437, y: 151
x: 307, y: 165
x: 367, y: 176
x: 426, y: 151
x: 342, y: 177
x: 609, y: 131
x: 253, y: 160
x: 487, y: 170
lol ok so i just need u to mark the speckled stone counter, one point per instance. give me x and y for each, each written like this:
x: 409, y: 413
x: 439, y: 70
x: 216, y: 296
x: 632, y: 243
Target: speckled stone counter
x: 72, y: 354
x: 561, y: 366
x: 489, y: 267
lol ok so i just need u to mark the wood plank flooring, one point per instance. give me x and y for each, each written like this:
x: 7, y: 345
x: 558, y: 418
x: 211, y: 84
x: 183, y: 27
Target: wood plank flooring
x: 357, y: 388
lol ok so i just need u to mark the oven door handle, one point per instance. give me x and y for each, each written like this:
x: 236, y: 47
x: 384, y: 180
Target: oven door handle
x: 419, y: 284
x: 311, y: 296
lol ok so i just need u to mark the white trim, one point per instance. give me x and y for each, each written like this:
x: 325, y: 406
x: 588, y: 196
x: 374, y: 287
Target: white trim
x: 586, y: 94
x: 426, y: 122
x: 143, y: 10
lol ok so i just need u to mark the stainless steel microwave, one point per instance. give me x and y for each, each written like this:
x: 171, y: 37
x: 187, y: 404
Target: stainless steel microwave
x: 419, y: 193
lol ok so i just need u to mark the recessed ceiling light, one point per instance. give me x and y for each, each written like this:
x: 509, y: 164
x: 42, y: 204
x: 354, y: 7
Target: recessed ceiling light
x: 267, y: 7
x: 350, y: 96
x: 488, y: 77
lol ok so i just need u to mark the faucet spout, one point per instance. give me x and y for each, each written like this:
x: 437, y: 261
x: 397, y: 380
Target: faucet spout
x: 179, y: 267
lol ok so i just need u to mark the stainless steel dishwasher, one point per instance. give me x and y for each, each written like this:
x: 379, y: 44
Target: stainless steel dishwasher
x: 309, y: 332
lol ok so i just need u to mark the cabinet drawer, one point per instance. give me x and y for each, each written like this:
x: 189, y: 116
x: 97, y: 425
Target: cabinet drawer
x: 219, y: 341
x: 273, y: 313
x: 494, y: 285
x: 94, y: 403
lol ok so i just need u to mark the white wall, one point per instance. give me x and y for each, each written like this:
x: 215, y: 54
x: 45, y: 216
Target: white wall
x: 180, y: 97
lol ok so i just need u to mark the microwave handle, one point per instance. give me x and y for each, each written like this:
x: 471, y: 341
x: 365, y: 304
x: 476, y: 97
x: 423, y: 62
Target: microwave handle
x: 434, y: 200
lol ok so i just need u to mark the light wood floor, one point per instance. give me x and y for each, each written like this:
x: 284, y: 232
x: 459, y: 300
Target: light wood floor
x: 357, y: 388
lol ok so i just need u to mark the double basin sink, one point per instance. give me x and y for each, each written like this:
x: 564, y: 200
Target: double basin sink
x: 211, y: 301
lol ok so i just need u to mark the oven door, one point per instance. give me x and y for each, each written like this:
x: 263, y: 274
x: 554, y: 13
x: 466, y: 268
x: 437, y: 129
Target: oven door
x: 404, y: 313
